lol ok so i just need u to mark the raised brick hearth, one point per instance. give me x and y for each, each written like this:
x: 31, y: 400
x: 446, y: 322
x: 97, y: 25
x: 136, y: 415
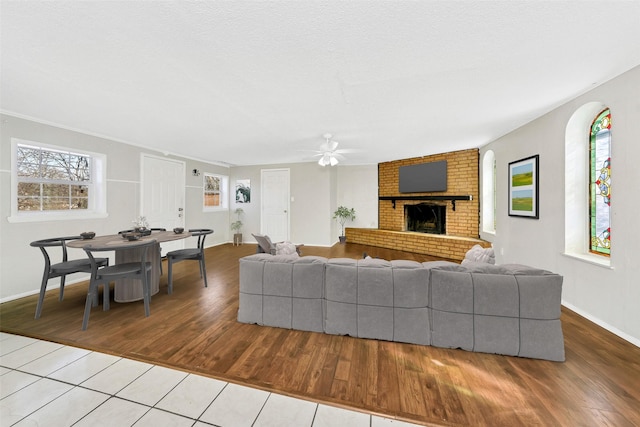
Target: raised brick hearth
x: 450, y: 247
x: 462, y: 224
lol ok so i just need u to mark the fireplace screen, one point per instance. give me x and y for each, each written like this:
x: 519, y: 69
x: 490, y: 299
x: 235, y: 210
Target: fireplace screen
x: 425, y: 218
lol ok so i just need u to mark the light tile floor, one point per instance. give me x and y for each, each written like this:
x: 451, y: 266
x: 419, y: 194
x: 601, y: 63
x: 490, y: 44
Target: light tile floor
x: 48, y: 384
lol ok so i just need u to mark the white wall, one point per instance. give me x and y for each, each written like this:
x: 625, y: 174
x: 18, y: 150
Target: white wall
x: 315, y: 193
x: 21, y: 265
x: 608, y: 296
x: 358, y: 189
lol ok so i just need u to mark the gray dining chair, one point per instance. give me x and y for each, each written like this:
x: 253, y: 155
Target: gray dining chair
x: 193, y: 254
x: 130, y: 270
x: 60, y: 269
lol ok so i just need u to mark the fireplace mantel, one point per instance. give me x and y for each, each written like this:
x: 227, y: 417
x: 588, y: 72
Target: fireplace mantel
x: 452, y: 198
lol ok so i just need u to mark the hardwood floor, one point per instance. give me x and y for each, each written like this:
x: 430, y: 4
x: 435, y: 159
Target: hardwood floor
x: 195, y: 329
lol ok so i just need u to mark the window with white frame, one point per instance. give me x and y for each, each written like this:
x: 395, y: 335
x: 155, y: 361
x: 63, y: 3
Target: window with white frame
x: 215, y: 192
x: 51, y: 182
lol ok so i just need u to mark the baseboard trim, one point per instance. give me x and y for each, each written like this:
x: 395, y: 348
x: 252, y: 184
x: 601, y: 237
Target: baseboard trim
x: 605, y: 325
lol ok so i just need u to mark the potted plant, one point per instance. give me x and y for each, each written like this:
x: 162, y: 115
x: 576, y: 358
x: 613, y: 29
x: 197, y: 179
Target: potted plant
x: 342, y: 215
x: 236, y: 226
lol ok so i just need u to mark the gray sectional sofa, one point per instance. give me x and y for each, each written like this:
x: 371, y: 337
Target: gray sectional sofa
x: 503, y: 309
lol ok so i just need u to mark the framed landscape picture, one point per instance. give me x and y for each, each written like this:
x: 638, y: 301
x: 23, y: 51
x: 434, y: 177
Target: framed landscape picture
x: 523, y: 187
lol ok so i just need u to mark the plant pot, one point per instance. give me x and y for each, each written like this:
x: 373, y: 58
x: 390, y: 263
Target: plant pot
x: 237, y: 239
x: 343, y: 239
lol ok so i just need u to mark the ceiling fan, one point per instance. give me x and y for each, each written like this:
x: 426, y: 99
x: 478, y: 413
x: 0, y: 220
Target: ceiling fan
x: 329, y: 153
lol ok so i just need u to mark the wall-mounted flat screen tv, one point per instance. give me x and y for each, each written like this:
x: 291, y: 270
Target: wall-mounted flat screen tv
x: 423, y: 177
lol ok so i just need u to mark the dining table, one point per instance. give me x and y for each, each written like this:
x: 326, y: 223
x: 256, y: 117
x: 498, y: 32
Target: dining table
x: 128, y: 290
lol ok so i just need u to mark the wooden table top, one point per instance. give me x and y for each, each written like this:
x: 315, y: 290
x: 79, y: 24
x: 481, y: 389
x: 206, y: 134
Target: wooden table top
x: 118, y: 240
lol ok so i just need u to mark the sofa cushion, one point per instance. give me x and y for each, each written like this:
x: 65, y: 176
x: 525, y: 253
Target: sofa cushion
x: 540, y: 296
x: 452, y: 330
x: 451, y: 291
x: 410, y: 284
x: 483, y: 267
x: 278, y: 279
x: 443, y: 265
x: 519, y: 269
x: 496, y: 295
x: 341, y: 280
x: 496, y: 334
x: 375, y: 322
x: 375, y: 283
x: 412, y: 325
x: 308, y: 277
x: 542, y: 339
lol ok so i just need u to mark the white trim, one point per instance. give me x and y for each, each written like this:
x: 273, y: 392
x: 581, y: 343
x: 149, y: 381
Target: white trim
x: 488, y: 199
x: 50, y: 286
x: 62, y: 216
x: 224, y: 193
x: 110, y: 138
x: 600, y: 261
x: 576, y: 184
x: 98, y: 194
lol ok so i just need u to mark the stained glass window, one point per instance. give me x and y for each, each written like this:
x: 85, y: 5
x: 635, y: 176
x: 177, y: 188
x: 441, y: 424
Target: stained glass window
x: 600, y: 184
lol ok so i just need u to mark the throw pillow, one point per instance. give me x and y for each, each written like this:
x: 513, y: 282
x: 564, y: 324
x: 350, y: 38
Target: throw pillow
x: 479, y: 254
x: 286, y: 248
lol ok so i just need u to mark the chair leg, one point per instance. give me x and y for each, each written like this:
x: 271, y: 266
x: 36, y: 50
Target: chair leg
x: 146, y: 292
x: 62, y: 280
x: 106, y: 295
x: 170, y: 278
x: 93, y: 289
x: 203, y: 270
x: 43, y: 289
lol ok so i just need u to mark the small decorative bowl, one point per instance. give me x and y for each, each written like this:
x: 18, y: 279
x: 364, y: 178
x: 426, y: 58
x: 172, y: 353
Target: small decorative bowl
x: 178, y: 230
x: 143, y: 231
x: 131, y: 236
x: 87, y: 235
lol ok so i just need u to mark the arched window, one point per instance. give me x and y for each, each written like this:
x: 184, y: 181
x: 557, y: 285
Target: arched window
x: 600, y: 184
x: 586, y: 213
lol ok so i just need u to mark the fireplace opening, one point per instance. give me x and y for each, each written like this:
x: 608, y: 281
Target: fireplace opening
x: 425, y: 218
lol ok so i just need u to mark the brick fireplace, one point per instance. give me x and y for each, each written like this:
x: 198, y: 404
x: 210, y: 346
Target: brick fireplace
x: 458, y: 206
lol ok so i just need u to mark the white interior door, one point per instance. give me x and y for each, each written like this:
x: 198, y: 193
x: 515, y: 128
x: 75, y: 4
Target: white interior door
x: 163, y: 195
x: 275, y: 204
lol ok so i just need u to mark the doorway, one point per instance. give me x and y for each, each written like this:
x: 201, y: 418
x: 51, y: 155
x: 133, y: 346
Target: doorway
x: 162, y: 195
x: 274, y: 207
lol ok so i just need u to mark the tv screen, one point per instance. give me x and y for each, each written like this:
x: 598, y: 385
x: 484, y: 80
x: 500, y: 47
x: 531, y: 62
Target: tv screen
x: 422, y: 178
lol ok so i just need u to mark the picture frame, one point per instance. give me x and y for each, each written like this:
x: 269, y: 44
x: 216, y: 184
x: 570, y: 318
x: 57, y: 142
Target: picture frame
x: 524, y: 187
x: 243, y: 191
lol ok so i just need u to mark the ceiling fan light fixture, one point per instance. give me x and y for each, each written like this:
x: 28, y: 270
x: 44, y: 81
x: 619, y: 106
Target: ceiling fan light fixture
x: 328, y: 160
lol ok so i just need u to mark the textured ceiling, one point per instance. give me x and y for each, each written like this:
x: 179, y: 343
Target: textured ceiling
x: 260, y: 82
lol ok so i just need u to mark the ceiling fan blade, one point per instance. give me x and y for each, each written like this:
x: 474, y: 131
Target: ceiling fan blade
x: 347, y: 151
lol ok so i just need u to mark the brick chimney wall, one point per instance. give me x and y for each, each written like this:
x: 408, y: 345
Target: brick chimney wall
x: 462, y: 180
